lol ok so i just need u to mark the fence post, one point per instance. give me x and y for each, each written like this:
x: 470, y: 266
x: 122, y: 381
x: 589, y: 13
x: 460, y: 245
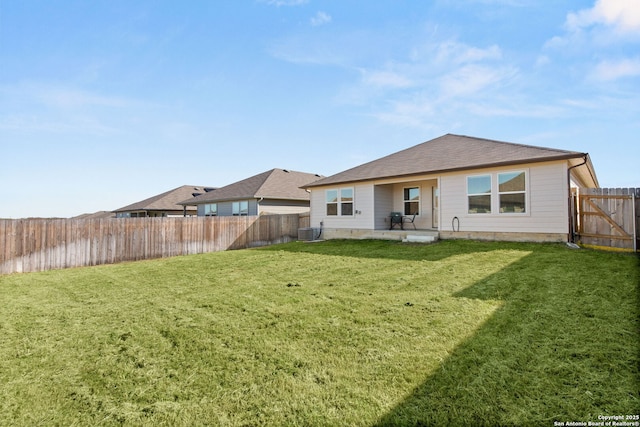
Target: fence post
x: 635, y: 231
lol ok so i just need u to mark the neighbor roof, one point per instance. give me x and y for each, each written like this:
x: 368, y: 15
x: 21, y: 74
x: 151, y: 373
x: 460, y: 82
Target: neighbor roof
x: 167, y: 201
x: 280, y: 184
x: 445, y: 154
x: 96, y: 215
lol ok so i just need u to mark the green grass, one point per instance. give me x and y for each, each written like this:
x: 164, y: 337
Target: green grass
x: 336, y: 333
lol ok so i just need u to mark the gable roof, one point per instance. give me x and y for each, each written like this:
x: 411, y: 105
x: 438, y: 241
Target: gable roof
x: 96, y: 215
x: 447, y: 153
x: 273, y: 184
x: 167, y: 201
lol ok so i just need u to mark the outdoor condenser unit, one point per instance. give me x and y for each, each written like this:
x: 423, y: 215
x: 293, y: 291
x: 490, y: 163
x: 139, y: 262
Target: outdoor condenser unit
x: 307, y: 234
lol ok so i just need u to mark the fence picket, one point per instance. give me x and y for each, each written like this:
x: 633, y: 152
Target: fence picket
x: 607, y: 216
x: 28, y: 245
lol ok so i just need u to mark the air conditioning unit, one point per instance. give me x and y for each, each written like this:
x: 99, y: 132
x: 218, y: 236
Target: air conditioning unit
x: 306, y: 234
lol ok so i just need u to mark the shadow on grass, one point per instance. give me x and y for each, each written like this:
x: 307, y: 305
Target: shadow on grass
x: 563, y: 347
x: 396, y: 250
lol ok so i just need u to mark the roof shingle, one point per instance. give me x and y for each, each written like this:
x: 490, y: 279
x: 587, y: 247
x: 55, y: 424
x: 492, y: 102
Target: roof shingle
x: 447, y: 153
x: 167, y: 201
x: 272, y: 184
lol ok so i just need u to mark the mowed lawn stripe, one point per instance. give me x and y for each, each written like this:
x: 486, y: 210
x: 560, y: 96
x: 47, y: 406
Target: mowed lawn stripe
x: 333, y: 333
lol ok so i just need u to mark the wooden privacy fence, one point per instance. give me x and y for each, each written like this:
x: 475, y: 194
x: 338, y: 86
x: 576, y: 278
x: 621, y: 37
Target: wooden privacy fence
x: 609, y: 217
x: 28, y: 245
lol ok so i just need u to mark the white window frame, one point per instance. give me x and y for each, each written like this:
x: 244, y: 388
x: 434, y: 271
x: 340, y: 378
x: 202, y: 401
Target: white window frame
x: 236, y: 208
x: 340, y: 202
x: 328, y: 203
x: 490, y: 194
x: 525, y: 192
x: 208, y: 211
x: 343, y: 202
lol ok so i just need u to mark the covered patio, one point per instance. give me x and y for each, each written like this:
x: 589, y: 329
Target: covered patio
x: 417, y: 203
x: 423, y: 236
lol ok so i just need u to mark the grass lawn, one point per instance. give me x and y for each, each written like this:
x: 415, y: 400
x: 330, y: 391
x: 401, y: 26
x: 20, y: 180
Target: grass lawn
x: 336, y: 333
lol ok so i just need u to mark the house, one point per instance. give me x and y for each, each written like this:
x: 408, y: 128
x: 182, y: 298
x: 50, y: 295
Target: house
x: 458, y: 187
x: 96, y: 215
x: 276, y: 191
x: 165, y: 204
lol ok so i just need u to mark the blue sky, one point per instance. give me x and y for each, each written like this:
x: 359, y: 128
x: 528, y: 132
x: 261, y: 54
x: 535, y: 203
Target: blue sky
x: 105, y: 103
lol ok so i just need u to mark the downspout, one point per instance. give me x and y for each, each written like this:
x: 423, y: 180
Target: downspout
x: 572, y: 234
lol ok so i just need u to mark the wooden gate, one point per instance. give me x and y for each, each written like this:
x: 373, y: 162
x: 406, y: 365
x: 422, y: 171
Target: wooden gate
x: 608, y: 217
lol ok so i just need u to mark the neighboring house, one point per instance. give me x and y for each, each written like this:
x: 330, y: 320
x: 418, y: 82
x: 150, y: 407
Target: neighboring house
x: 165, y: 204
x: 276, y: 191
x: 458, y: 186
x: 96, y: 215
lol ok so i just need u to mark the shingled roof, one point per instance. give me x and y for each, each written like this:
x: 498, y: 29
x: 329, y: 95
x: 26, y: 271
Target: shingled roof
x: 96, y: 215
x: 446, y: 154
x: 279, y: 184
x: 167, y: 201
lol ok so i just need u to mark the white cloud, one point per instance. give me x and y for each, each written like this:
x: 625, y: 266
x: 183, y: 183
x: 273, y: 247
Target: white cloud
x: 444, y: 78
x: 471, y: 79
x: 340, y: 49
x: 580, y: 103
x: 622, y: 15
x: 459, y: 53
x: 417, y: 112
x: 285, y: 2
x: 57, y: 108
x: 613, y: 70
x: 320, y: 18
x: 73, y: 98
x: 58, y: 96
x: 418, y: 85
x: 505, y: 109
x: 556, y: 42
x: 607, y: 22
x: 75, y: 125
x: 542, y: 60
x: 385, y: 79
x: 294, y: 52
x: 510, y: 3
x: 443, y: 96
x: 590, y: 34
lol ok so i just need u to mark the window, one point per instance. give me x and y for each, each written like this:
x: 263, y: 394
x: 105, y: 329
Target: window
x: 512, y: 192
x: 332, y: 202
x: 479, y: 194
x: 346, y: 201
x: 211, y: 209
x: 411, y: 201
x: 339, y: 202
x: 240, y: 208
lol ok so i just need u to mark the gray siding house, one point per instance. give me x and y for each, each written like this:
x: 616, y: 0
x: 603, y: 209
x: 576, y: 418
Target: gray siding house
x: 276, y: 191
x: 164, y: 205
